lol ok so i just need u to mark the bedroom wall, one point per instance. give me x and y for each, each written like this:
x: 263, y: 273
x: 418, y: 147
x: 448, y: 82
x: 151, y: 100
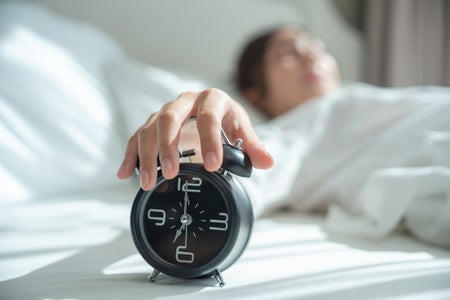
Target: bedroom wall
x: 205, y: 36
x: 353, y: 12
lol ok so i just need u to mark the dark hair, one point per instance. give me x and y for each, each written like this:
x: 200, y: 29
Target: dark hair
x: 249, y: 71
x: 250, y: 65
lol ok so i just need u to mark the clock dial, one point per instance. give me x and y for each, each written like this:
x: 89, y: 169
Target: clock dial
x: 186, y: 220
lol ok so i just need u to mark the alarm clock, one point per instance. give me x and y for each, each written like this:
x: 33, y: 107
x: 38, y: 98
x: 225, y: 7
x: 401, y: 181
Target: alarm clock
x: 197, y: 224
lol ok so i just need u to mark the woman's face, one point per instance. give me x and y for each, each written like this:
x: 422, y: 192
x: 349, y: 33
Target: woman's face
x: 297, y: 67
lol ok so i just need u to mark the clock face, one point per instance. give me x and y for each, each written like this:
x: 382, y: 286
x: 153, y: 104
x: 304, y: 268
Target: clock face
x: 186, y: 220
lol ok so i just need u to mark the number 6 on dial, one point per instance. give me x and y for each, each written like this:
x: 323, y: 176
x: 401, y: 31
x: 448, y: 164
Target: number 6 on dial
x: 184, y: 256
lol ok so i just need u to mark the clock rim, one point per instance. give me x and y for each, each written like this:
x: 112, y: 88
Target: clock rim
x: 236, y: 242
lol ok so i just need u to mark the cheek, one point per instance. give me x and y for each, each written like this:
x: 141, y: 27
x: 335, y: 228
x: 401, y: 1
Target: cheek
x: 277, y: 84
x: 282, y: 76
x: 283, y: 87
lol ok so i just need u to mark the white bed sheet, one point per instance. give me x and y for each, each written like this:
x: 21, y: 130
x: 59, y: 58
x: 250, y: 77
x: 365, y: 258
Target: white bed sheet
x: 80, y: 247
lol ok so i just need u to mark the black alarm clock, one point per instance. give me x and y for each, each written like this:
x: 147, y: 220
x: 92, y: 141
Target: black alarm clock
x: 197, y: 224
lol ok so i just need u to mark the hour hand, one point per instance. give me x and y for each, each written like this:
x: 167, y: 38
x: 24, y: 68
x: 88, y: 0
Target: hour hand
x: 178, y: 233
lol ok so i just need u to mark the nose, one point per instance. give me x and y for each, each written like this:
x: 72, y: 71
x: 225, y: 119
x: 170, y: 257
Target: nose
x: 309, y: 50
x: 313, y: 53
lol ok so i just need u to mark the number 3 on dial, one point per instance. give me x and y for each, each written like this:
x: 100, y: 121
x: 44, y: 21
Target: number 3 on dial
x: 222, y: 224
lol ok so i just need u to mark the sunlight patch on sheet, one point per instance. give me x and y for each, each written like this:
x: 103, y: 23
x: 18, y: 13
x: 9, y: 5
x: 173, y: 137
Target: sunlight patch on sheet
x: 289, y: 250
x: 11, y: 188
x: 61, y: 214
x: 289, y: 259
x: 438, y: 294
x: 283, y: 254
x: 131, y: 264
x: 327, y: 284
x: 18, y: 266
x: 29, y: 243
x: 49, y: 231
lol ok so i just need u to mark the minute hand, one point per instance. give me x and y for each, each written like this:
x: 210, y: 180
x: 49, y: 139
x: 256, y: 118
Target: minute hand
x: 186, y: 198
x: 184, y: 217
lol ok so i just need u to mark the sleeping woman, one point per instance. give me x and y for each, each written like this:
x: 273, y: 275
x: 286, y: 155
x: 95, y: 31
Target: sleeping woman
x: 369, y: 158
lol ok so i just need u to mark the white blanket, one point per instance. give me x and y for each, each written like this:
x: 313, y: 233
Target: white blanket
x: 371, y: 157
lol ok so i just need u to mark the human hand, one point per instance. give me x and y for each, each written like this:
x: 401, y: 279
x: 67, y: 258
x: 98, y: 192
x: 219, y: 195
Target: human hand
x: 160, y: 135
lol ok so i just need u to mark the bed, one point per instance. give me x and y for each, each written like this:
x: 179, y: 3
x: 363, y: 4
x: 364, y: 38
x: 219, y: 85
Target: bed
x: 65, y: 93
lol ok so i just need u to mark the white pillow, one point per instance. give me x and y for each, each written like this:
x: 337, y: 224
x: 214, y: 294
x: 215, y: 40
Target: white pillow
x: 142, y: 89
x: 57, y: 130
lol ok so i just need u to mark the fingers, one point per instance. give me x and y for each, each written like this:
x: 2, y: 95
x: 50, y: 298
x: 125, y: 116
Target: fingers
x: 148, y: 153
x: 140, y: 148
x: 130, y: 160
x: 260, y: 158
x: 216, y: 110
x: 211, y: 108
x: 160, y: 135
x: 169, y: 123
x: 252, y: 145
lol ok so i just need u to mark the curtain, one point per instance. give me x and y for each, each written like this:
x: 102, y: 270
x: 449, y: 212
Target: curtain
x: 408, y: 42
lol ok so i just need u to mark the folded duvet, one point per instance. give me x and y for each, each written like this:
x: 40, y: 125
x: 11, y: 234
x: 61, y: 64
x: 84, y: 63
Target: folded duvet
x: 371, y: 158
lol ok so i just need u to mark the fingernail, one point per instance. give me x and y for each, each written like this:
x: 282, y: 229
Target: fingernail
x: 268, y: 154
x: 145, y: 178
x: 166, y: 165
x: 119, y: 172
x: 211, y: 158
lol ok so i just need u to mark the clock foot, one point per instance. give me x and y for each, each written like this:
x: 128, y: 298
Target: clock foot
x: 218, y: 276
x: 153, y: 276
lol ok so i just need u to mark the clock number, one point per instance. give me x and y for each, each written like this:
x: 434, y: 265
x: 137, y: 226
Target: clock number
x: 221, y: 224
x: 158, y: 215
x: 184, y: 256
x: 190, y: 186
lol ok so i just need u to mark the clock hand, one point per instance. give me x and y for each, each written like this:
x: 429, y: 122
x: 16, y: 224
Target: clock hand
x: 178, y: 233
x: 183, y: 217
x: 186, y: 198
x: 185, y: 235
